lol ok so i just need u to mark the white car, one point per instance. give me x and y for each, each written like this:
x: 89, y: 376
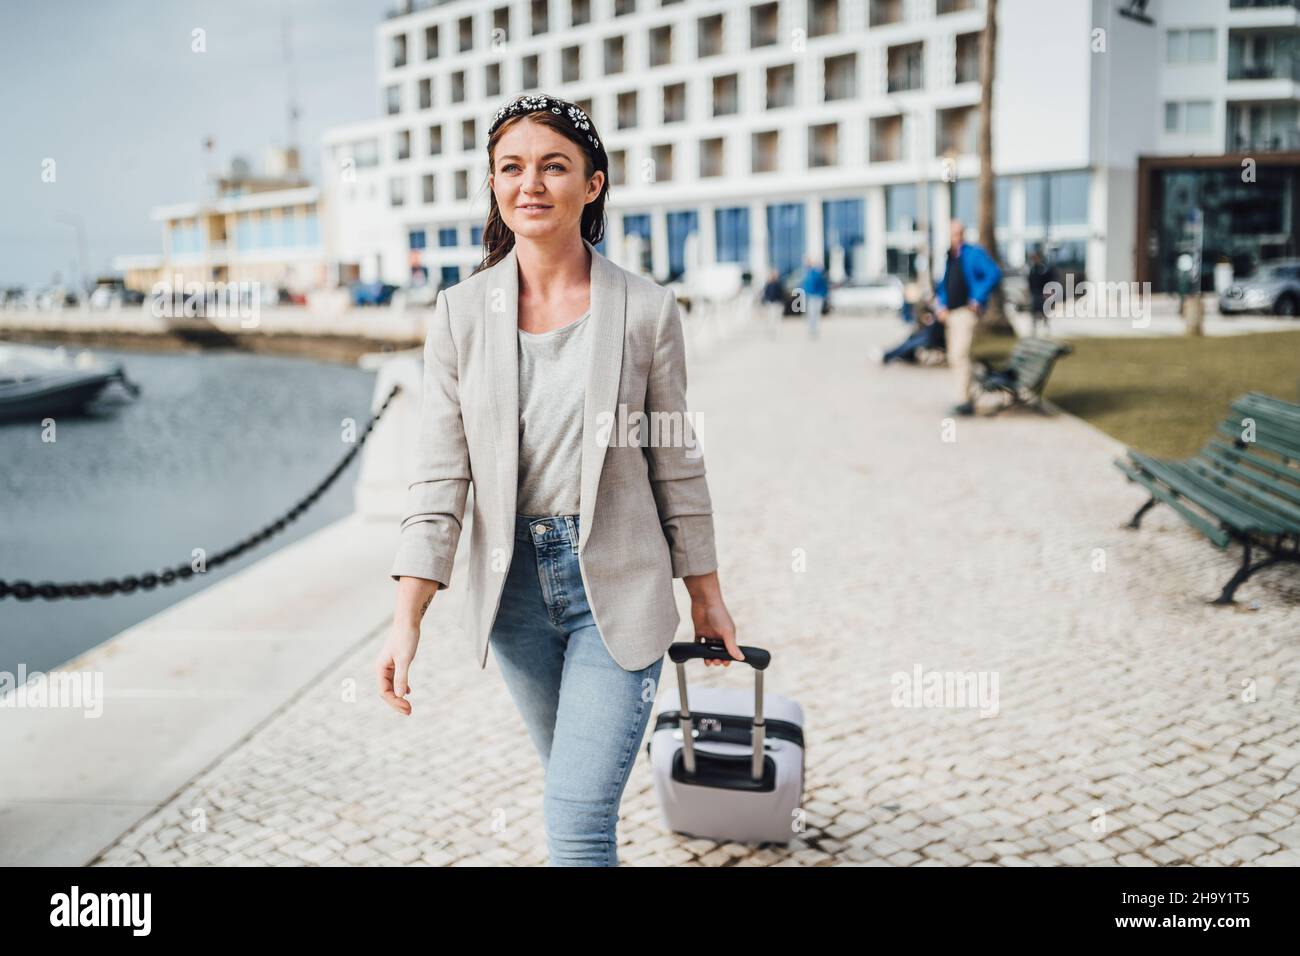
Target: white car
x: 883, y: 294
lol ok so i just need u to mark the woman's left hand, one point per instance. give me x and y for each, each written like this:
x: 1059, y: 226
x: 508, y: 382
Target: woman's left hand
x: 711, y: 619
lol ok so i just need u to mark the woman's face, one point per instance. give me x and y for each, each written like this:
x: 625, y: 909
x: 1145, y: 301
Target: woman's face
x: 539, y: 183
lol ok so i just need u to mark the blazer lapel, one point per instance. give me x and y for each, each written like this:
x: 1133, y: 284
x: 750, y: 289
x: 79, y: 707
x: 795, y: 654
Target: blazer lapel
x: 604, y: 367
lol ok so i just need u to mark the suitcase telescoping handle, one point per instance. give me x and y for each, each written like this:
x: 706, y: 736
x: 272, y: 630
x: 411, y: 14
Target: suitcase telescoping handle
x: 713, y: 648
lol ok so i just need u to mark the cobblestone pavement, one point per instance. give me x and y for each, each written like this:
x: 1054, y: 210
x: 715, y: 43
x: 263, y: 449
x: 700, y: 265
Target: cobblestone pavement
x: 1135, y: 725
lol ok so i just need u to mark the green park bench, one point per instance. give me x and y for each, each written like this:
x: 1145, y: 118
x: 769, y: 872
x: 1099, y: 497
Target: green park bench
x: 1243, y: 485
x: 1022, y: 380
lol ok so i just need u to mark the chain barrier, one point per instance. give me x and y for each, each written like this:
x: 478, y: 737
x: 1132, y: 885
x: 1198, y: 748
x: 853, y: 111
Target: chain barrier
x: 26, y: 590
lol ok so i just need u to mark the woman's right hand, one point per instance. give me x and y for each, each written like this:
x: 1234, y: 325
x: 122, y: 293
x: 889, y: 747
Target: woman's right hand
x: 394, y: 662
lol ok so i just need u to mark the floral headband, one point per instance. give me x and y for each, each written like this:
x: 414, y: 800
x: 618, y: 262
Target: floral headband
x: 531, y: 104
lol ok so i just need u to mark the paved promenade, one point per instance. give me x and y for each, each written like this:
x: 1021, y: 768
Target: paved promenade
x: 1133, y: 724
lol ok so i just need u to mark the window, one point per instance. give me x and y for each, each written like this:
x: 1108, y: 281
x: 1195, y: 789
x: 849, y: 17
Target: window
x: 627, y: 110
x: 392, y: 99
x: 967, y: 58
x: 840, y: 76
x: 476, y: 235
x: 823, y: 145
x: 447, y: 237
x: 500, y: 27
x: 885, y: 11
x: 462, y: 184
x: 900, y: 208
x: 529, y: 71
x: 426, y: 93
x: 823, y: 17
x: 396, y: 191
x: 1190, y: 116
x: 624, y: 7
x: 888, y: 140
x: 905, y: 67
x: 661, y: 46
x: 428, y: 195
x: 397, y: 49
x: 465, y: 31
x: 571, y: 64
x: 726, y: 95
x: 581, y: 12
x: 402, y: 144
x: 613, y: 55
x: 958, y: 130
x: 458, y: 86
x: 539, y: 17
x: 765, y: 151
x: 492, y: 79
x: 417, y: 239
x: 674, y: 97
x: 712, y: 160
x: 431, y: 43
x: 763, y: 25
x: 1198, y: 116
x: 1057, y: 199
x: 731, y: 233
x: 780, y: 86
x: 681, y: 224
x: 708, y: 36
x: 661, y: 157
x: 617, y: 166
x: 843, y: 222
x: 467, y: 135
x: 435, y: 140
x: 1189, y: 46
x: 1068, y: 197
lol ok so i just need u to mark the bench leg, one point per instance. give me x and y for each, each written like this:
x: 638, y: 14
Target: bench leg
x: 1136, y: 520
x: 1246, y: 570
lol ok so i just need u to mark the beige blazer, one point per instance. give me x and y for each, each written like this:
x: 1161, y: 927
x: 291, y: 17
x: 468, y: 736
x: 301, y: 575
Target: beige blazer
x: 645, y: 514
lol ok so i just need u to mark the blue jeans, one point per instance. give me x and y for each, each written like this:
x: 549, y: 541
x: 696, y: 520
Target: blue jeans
x: 926, y: 337
x: 585, y: 713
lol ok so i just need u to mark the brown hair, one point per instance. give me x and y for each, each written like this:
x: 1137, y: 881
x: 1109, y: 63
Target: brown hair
x: 498, y: 239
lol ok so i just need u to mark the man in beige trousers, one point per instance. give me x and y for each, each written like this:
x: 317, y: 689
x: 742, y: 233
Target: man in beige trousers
x: 969, y: 277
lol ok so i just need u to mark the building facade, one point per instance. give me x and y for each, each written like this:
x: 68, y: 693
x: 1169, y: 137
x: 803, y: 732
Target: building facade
x: 764, y: 131
x: 257, y: 228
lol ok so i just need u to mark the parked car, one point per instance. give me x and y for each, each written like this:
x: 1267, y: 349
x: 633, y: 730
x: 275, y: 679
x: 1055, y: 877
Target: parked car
x: 883, y: 294
x: 1275, y: 288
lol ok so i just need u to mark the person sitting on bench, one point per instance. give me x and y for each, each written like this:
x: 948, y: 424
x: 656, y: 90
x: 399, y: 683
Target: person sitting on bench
x: 928, y: 335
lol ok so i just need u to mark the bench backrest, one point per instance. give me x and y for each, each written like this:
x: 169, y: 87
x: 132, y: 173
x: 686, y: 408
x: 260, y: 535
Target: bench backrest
x: 1257, y: 457
x: 1033, y: 359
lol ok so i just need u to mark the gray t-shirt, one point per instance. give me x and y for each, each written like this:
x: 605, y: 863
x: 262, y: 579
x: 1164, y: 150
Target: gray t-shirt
x: 552, y: 389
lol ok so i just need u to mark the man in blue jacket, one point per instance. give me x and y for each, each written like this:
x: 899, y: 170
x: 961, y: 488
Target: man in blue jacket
x: 969, y: 277
x: 815, y: 289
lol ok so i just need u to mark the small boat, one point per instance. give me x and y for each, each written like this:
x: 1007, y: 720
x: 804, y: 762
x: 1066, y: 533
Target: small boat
x: 36, y: 382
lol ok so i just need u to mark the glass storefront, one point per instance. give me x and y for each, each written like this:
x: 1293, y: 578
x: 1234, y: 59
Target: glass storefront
x: 1244, y: 222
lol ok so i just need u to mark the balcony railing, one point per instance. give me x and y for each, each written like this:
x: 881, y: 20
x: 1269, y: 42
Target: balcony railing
x: 1282, y: 67
x: 1287, y: 140
x: 1262, y: 4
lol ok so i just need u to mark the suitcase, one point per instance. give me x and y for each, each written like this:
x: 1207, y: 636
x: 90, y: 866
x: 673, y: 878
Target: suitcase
x: 710, y: 779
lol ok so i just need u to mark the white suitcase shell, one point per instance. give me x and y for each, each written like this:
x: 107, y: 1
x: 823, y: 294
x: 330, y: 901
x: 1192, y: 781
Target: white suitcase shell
x: 714, y: 788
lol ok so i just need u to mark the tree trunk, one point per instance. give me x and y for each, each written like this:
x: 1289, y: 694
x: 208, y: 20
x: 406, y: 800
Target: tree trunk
x: 995, y: 316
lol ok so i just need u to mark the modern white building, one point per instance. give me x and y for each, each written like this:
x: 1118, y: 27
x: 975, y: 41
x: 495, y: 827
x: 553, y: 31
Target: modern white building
x: 254, y: 228
x: 840, y: 129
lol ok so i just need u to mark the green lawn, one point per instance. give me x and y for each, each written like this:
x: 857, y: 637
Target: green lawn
x: 1164, y: 395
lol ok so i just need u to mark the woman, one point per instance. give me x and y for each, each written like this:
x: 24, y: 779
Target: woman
x: 532, y: 367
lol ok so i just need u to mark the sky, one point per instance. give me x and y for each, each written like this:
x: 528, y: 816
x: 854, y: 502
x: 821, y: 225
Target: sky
x: 113, y: 92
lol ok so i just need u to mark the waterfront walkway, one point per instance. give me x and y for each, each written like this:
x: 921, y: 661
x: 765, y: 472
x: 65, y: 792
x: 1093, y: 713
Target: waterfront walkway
x: 1134, y: 724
